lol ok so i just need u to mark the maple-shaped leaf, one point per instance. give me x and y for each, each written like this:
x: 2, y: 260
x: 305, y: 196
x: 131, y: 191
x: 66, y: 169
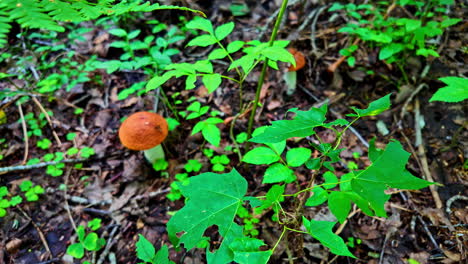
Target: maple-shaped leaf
x: 212, y: 199
x: 387, y: 170
x: 301, y: 126
x: 323, y: 232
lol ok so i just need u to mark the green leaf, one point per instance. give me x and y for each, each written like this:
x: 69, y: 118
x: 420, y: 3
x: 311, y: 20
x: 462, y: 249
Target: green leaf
x: 278, y: 54
x: 278, y: 173
x: 224, y: 30
x: 217, y: 54
x: 212, y: 134
x: 301, y: 126
x: 201, y: 24
x: 118, y: 32
x: 211, y: 199
x: 212, y: 81
x: 330, y: 180
x: 340, y: 205
x: 234, y: 46
x: 26, y: 185
x: 449, y: 22
x: 455, y: 91
x: 261, y: 155
x: 90, y: 241
x: 390, y: 50
x: 295, y: 157
x: 388, y: 170
x: 162, y: 257
x: 144, y: 249
x: 202, y: 41
x: 273, y: 197
x: 76, y: 250
x: 278, y: 147
x: 94, y: 224
x: 319, y: 197
x: 376, y: 107
x: 247, y: 250
x: 323, y: 232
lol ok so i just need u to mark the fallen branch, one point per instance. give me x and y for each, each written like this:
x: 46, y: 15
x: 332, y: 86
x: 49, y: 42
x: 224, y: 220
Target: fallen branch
x: 38, y: 165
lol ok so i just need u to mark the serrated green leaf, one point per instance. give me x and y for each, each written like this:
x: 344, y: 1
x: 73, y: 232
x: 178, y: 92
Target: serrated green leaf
x: 261, y: 155
x: 301, y: 126
x: 318, y: 197
x: 162, y: 256
x: 144, y: 249
x: 295, y: 157
x: 224, y: 30
x: 278, y: 147
x: 211, y: 199
x: 376, y: 107
x: 278, y: 173
x: 323, y: 232
x: 455, y: 91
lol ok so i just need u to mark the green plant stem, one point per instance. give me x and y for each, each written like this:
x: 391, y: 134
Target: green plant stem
x: 279, y: 239
x: 340, y: 135
x: 262, y: 75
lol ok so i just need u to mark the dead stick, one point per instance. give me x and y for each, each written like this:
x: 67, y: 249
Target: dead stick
x: 39, y: 165
x: 25, y: 132
x: 422, y: 155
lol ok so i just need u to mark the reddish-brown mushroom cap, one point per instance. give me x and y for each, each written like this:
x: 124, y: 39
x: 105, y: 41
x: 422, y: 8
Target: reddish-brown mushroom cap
x: 299, y: 57
x: 143, y: 130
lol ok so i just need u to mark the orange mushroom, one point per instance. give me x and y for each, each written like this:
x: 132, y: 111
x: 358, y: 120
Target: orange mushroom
x: 290, y: 77
x: 144, y: 131
x: 300, y: 59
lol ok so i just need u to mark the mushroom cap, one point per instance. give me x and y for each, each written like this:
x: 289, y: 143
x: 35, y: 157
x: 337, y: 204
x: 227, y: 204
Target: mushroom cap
x: 299, y: 57
x: 143, y: 130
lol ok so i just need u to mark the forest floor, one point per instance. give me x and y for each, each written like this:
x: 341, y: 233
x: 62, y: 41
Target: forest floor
x: 119, y: 187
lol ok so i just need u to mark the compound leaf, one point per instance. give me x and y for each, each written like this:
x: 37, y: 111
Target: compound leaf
x: 301, y: 126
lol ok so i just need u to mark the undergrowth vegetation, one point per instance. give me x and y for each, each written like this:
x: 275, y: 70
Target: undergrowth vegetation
x: 221, y: 195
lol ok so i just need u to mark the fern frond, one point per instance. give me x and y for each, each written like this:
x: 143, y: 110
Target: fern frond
x: 62, y: 11
x: 4, y: 27
x: 30, y: 13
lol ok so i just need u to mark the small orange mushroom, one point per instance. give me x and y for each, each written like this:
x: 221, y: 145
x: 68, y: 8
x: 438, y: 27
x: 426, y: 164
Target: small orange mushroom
x: 290, y: 77
x: 299, y: 57
x: 144, y: 131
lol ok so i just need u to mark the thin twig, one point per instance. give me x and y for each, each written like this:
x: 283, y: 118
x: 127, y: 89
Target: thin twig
x: 110, y: 242
x: 25, y: 132
x: 422, y: 155
x: 49, y: 121
x: 39, y: 231
x: 38, y: 165
x: 65, y: 195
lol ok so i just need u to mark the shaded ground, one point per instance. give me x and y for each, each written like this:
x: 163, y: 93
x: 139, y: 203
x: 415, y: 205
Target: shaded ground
x: 119, y: 187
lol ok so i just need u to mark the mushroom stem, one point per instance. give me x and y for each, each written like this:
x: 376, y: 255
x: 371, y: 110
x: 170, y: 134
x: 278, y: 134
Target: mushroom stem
x: 290, y: 78
x: 153, y: 154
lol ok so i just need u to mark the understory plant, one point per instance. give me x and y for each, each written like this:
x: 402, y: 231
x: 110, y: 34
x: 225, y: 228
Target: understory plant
x: 397, y: 37
x: 216, y: 199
